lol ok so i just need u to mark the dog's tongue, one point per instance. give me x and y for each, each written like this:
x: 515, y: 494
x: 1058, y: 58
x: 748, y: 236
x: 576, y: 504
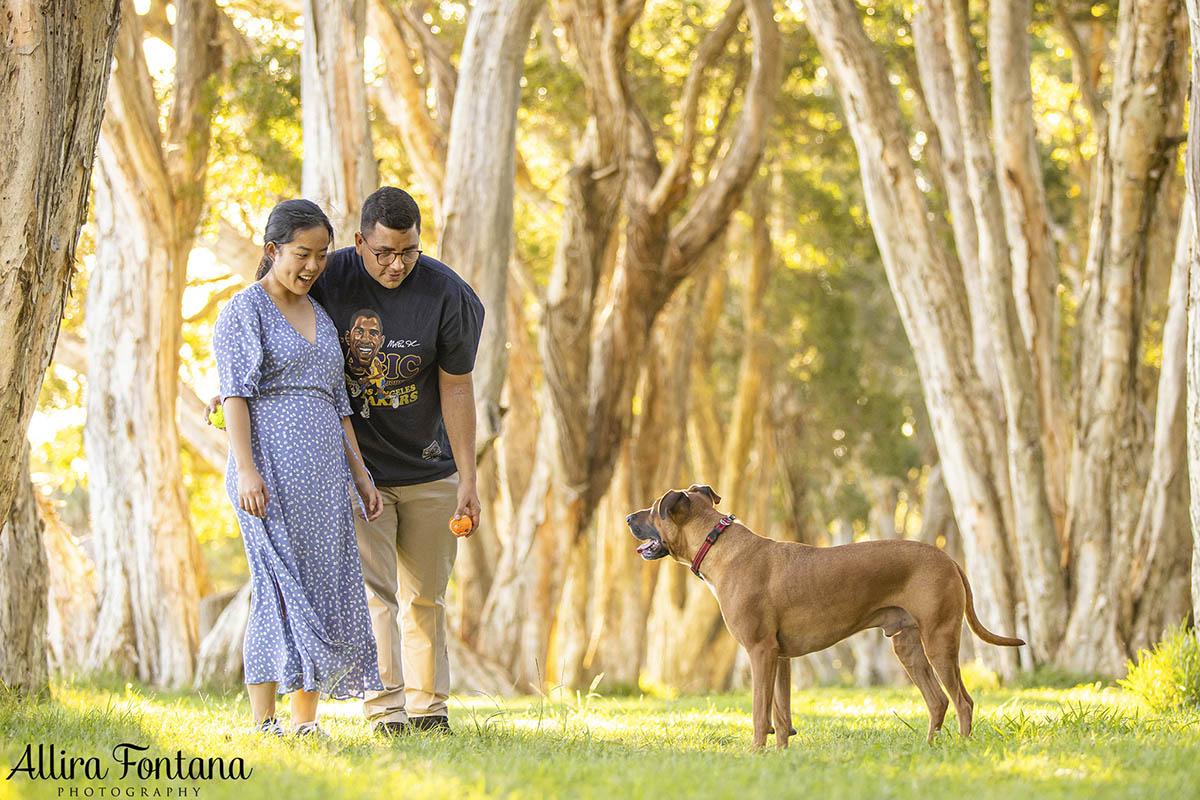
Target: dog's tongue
x: 646, y: 545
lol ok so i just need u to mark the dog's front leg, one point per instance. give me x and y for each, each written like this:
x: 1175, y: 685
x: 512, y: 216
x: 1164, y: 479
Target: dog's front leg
x: 764, y: 660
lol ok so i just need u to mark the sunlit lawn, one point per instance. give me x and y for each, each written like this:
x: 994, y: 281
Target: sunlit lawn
x: 1088, y: 741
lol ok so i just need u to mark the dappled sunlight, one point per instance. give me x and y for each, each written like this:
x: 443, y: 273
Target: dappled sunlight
x: 850, y: 743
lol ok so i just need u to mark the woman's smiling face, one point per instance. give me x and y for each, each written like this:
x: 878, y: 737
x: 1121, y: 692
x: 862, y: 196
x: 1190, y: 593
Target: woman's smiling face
x: 298, y: 263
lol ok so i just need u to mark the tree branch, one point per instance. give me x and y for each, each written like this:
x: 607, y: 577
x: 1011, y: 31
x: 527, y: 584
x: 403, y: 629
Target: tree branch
x: 214, y: 300
x: 674, y: 180
x: 716, y: 201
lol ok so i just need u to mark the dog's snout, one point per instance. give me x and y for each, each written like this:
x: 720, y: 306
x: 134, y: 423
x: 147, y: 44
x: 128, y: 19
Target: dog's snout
x: 629, y: 519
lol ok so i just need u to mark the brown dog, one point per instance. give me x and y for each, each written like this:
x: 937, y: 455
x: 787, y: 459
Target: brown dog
x: 783, y: 599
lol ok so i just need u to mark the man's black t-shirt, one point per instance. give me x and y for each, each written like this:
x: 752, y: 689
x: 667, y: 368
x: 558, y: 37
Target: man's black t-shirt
x: 394, y: 341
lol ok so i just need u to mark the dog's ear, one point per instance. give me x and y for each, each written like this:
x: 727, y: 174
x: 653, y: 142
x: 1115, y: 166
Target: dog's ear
x: 672, y: 501
x: 708, y: 490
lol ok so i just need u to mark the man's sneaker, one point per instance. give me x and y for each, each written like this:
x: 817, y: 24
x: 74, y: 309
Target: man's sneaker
x: 310, y: 730
x: 393, y: 728
x: 432, y: 724
x: 269, y: 727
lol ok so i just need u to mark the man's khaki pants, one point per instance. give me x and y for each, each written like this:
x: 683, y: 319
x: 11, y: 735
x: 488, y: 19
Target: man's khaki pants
x: 407, y: 554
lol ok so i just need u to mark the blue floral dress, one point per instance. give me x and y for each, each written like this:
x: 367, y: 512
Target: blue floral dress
x: 309, y: 627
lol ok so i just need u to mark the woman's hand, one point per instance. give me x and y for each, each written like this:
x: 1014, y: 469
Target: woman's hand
x: 370, y: 497
x: 212, y: 406
x: 252, y: 493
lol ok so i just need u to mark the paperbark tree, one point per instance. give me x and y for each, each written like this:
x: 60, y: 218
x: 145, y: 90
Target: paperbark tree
x: 691, y: 624
x: 339, y: 164
x: 1155, y: 592
x: 1095, y: 627
x: 932, y: 307
x: 1193, y: 306
x: 23, y: 592
x: 1033, y: 525
x: 72, y: 597
x: 600, y: 307
x: 53, y: 76
x: 150, y: 194
x: 594, y: 343
x: 477, y: 201
x: 1026, y: 223
x: 1105, y: 484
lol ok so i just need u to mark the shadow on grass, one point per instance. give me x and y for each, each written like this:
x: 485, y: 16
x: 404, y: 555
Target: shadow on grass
x: 627, y: 747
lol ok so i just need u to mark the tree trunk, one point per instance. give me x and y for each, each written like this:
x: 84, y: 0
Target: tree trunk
x: 53, y: 75
x: 651, y: 462
x: 933, y: 311
x: 1193, y: 307
x: 1034, y: 532
x: 339, y: 162
x: 1156, y: 593
x: 1026, y: 222
x: 477, y: 204
x: 23, y: 592
x: 57, y: 58
x: 937, y: 78
x: 403, y: 101
x: 72, y: 617
x: 211, y: 444
x: 1105, y: 485
x: 148, y: 203
x: 219, y: 661
x: 656, y: 254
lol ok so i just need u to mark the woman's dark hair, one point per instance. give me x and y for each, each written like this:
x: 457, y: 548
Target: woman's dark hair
x: 286, y: 220
x: 392, y: 208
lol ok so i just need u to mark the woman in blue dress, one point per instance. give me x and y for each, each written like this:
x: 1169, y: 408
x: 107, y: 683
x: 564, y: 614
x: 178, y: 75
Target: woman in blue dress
x: 292, y: 459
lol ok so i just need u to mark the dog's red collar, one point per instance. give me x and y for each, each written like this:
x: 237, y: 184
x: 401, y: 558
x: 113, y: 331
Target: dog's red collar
x: 712, y: 537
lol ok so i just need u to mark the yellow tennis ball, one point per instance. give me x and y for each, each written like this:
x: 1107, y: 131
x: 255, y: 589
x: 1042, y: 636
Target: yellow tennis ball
x: 217, y: 417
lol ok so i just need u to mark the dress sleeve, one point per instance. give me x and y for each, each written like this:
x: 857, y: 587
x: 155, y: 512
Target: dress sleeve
x: 458, y: 334
x: 237, y: 344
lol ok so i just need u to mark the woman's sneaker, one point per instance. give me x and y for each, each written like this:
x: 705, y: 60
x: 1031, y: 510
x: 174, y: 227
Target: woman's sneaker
x: 310, y: 730
x: 269, y: 727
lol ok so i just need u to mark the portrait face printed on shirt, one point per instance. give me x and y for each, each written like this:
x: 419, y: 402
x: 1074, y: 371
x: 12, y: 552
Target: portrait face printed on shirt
x: 386, y: 253
x: 363, y: 341
x: 297, y: 264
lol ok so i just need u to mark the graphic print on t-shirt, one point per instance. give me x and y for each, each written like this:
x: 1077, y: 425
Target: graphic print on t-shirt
x: 374, y: 377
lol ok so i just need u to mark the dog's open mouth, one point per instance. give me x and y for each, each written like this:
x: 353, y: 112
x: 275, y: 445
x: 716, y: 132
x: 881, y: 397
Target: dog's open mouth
x: 651, y: 549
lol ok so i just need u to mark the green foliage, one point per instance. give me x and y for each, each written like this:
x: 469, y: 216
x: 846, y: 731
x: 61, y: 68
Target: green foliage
x: 851, y: 743
x: 1167, y: 677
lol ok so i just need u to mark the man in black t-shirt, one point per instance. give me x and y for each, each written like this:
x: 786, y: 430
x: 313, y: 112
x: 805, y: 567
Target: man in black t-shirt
x: 409, y: 328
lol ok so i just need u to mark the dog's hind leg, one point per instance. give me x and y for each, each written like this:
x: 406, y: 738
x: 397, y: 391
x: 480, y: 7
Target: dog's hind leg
x: 908, y: 648
x: 764, y: 661
x: 782, y: 706
x: 941, y: 645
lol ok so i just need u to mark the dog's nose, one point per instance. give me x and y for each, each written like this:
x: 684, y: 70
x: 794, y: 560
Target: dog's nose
x: 628, y: 518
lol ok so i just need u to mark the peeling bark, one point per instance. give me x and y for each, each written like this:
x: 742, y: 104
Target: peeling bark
x: 53, y: 75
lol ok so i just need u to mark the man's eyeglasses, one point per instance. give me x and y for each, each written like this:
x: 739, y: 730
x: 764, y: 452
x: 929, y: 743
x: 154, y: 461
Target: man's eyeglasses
x: 386, y: 257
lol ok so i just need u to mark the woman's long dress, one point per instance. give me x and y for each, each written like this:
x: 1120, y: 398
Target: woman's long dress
x: 309, y: 627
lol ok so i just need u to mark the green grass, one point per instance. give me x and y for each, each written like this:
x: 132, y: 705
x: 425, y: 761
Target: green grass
x: 1089, y: 741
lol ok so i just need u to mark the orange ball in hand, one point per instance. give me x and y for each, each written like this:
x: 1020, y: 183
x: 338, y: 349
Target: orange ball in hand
x: 461, y: 526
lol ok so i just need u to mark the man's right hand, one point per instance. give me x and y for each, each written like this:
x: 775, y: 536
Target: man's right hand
x: 212, y: 406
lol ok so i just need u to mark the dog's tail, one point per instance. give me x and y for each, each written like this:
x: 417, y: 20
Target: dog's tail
x: 977, y: 626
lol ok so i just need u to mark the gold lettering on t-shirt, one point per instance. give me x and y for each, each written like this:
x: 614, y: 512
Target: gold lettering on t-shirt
x: 401, y: 366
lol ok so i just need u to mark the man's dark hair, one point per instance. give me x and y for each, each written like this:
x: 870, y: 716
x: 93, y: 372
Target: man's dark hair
x: 286, y: 220
x: 392, y: 208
